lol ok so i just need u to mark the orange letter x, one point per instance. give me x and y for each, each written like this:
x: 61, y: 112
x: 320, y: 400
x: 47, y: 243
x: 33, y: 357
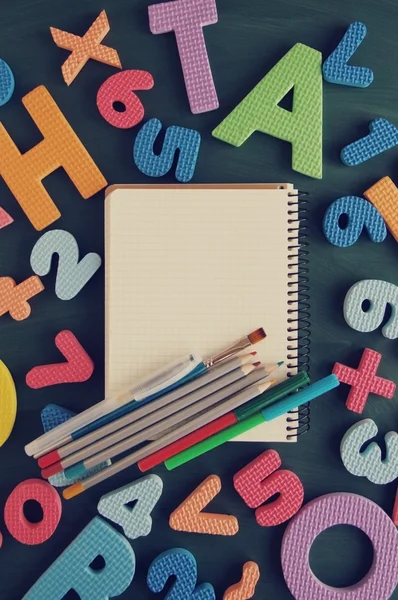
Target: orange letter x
x: 86, y: 47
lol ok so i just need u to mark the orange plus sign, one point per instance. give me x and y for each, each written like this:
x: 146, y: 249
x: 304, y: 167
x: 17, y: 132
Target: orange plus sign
x: 86, y: 47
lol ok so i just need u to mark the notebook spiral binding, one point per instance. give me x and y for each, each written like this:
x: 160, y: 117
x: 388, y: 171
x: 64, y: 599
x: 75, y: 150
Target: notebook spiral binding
x: 299, y: 317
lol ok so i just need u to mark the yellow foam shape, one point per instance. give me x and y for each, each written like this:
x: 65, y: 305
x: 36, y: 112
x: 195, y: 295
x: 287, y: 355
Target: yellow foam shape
x: 8, y: 403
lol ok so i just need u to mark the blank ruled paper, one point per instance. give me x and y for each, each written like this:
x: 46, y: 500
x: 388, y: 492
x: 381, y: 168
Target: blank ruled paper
x: 194, y: 268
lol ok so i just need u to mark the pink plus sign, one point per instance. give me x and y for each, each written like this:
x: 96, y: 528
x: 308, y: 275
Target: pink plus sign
x: 364, y: 380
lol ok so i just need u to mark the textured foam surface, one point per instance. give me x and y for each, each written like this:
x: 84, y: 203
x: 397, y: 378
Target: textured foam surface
x: 13, y: 297
x: 23, y: 173
x: 119, y: 88
x: 186, y: 18
x: 260, y: 111
x: 17, y: 524
x: 7, y: 83
x: 53, y: 415
x: 86, y: 47
x: 395, y: 510
x: 246, y: 588
x: 384, y: 196
x: 379, y: 293
x: 361, y: 214
x: 187, y: 141
x: 136, y: 522
x: 260, y: 480
x: 79, y: 366
x: 181, y: 564
x: 189, y: 516
x: 335, y: 68
x: 72, y: 274
x: 383, y: 136
x: 8, y: 403
x: 369, y: 463
x: 5, y: 218
x: 364, y: 381
x: 72, y: 568
x: 340, y: 509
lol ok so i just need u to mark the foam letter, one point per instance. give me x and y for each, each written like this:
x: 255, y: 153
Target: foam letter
x: 8, y: 403
x: 368, y: 463
x: 187, y: 18
x: 135, y: 522
x: 384, y: 196
x: 119, y: 88
x: 187, y: 141
x: 86, y: 47
x: 340, y: 509
x: 379, y: 293
x: 7, y: 83
x: 361, y: 214
x: 246, y: 588
x: 23, y: 173
x: 260, y: 111
x: 383, y: 136
x: 260, y: 480
x: 13, y: 298
x: 18, y: 525
x: 72, y: 570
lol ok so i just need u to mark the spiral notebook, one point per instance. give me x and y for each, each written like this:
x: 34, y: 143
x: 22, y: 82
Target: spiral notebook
x: 195, y: 267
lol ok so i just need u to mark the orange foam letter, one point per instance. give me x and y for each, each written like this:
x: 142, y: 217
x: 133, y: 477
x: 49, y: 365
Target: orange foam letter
x: 13, y: 298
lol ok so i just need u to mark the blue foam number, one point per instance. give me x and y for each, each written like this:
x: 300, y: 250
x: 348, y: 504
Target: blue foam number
x: 383, y: 136
x: 335, y: 68
x: 72, y: 570
x: 181, y: 564
x: 72, y: 274
x: 7, y: 83
x: 187, y: 141
x: 361, y: 214
x: 53, y: 415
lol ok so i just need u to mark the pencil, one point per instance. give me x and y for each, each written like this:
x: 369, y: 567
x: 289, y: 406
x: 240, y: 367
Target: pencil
x: 271, y: 396
x: 175, y: 434
x: 271, y: 412
x: 162, y: 381
x: 157, y: 422
x: 74, y: 445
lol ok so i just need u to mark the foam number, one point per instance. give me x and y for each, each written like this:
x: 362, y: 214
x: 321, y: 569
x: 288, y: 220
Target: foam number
x: 361, y: 215
x: 23, y: 173
x: 340, y: 509
x: 181, y: 564
x: 7, y: 83
x: 14, y: 298
x: 189, y: 515
x: 378, y: 293
x: 119, y: 88
x: 363, y: 380
x: 300, y: 69
x: 53, y: 415
x: 72, y: 274
x: 86, y: 47
x: 246, y: 588
x: 369, y: 463
x: 395, y: 509
x: 8, y: 403
x: 18, y: 525
x: 383, y: 136
x: 73, y: 571
x: 135, y: 522
x: 187, y: 141
x: 384, y: 196
x: 335, y: 68
x: 5, y: 218
x: 187, y: 18
x: 260, y: 480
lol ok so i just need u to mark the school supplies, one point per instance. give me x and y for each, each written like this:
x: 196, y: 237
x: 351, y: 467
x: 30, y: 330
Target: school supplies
x: 105, y: 447
x: 278, y: 392
x: 160, y: 420
x: 271, y: 412
x: 169, y: 437
x: 190, y: 266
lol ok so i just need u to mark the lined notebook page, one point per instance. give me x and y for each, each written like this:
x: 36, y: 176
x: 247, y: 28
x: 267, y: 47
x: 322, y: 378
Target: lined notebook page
x: 194, y: 268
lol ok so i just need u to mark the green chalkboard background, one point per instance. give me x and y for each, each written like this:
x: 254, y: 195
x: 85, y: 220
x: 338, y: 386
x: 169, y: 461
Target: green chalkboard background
x: 250, y: 37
